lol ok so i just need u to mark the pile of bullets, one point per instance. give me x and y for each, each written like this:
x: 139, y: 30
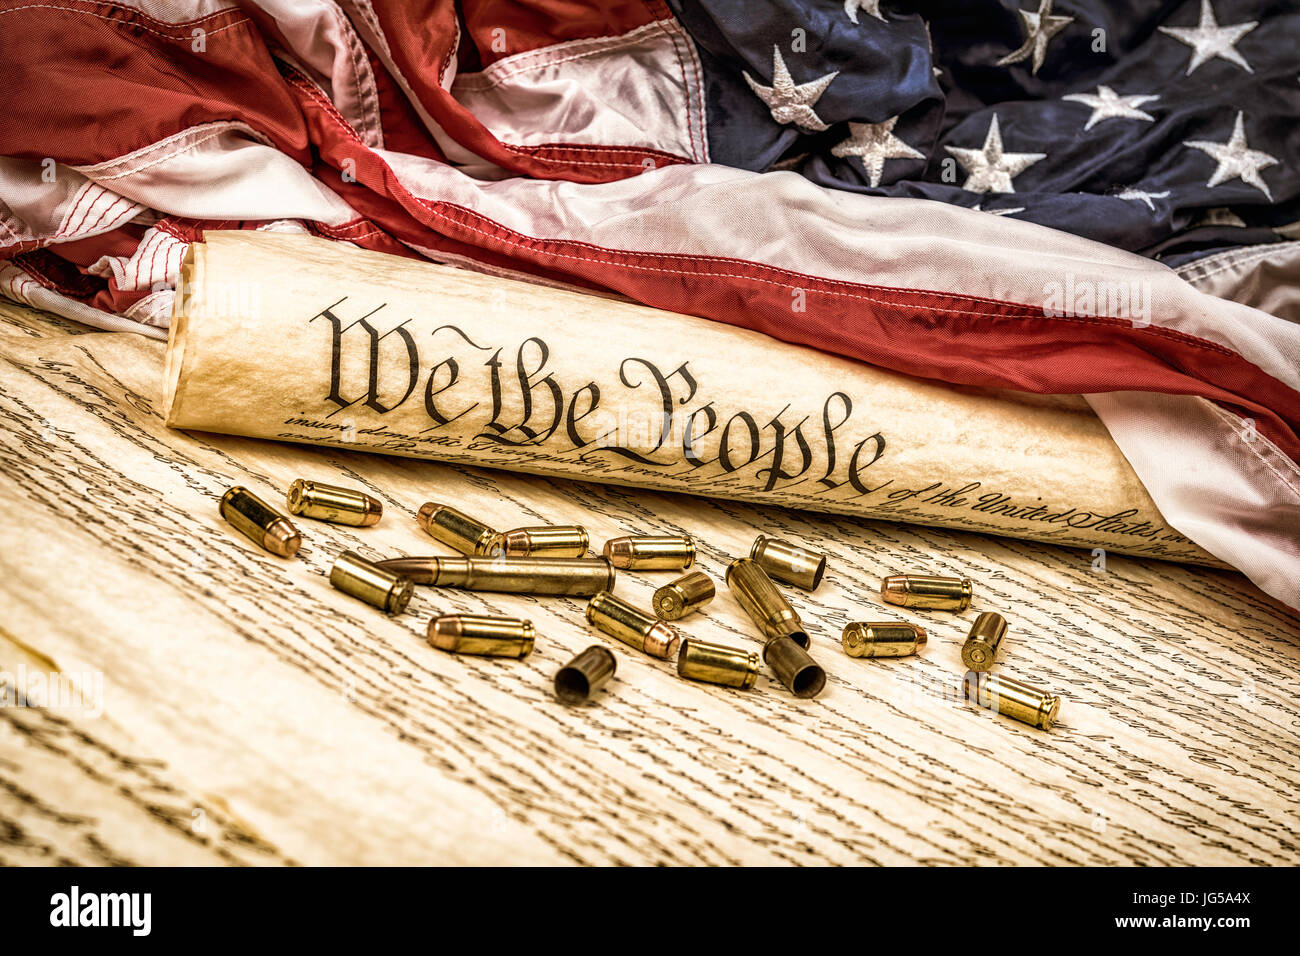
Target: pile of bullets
x: 553, y: 560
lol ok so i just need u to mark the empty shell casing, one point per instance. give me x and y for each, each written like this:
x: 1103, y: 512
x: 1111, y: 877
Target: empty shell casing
x: 981, y: 647
x: 927, y: 591
x: 353, y: 574
x: 765, y: 605
x: 648, y: 552
x: 633, y: 626
x: 332, y: 503
x: 558, y: 541
x: 716, y: 664
x: 581, y: 577
x: 801, y: 675
x: 1004, y: 695
x: 789, y: 563
x: 259, y: 522
x: 882, y: 639
x: 456, y: 529
x: 585, y: 674
x: 688, y: 593
x: 482, y: 634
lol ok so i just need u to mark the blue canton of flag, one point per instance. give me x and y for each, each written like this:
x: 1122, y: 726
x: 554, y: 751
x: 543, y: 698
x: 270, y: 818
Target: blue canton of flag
x: 1168, y: 129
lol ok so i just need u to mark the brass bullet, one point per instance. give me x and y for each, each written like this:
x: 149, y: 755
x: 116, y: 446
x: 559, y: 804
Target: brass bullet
x: 927, y: 591
x: 649, y: 552
x: 687, y: 594
x: 717, y: 664
x: 353, y: 574
x: 556, y: 541
x: 1004, y: 695
x: 633, y: 626
x: 585, y: 674
x: 789, y: 563
x: 882, y: 639
x: 765, y: 605
x: 581, y: 577
x: 456, y: 529
x: 981, y: 647
x: 800, y: 674
x: 313, y: 499
x: 483, y: 635
x: 259, y: 522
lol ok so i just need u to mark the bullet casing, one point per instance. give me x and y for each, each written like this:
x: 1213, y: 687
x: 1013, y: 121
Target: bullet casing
x: 765, y: 605
x: 259, y: 522
x: 1013, y: 698
x: 801, y: 675
x: 981, y: 647
x: 579, y: 577
x: 353, y: 574
x: 556, y: 541
x: 647, y: 552
x: 457, y: 529
x: 716, y: 664
x: 633, y: 626
x: 789, y: 563
x: 882, y: 639
x: 928, y: 591
x: 313, y: 499
x: 585, y: 674
x: 684, y: 596
x: 483, y: 635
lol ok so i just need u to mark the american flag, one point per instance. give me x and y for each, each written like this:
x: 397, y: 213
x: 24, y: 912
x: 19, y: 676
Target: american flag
x: 1055, y: 196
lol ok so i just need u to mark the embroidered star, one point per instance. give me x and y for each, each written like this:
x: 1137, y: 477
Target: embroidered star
x: 874, y: 143
x: 851, y: 7
x: 1142, y: 196
x: 1208, y: 40
x: 787, y: 102
x: 1107, y: 104
x: 1236, y: 159
x: 1040, y: 27
x: 991, y: 170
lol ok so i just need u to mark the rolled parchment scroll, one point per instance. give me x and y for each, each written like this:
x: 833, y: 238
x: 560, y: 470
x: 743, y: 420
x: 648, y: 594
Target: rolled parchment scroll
x: 300, y: 339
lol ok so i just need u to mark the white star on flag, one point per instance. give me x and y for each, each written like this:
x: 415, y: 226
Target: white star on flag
x: 874, y: 143
x: 787, y: 102
x: 1040, y: 27
x: 851, y: 7
x: 1142, y: 196
x: 1208, y: 40
x: 990, y: 169
x: 1236, y: 159
x: 1107, y: 104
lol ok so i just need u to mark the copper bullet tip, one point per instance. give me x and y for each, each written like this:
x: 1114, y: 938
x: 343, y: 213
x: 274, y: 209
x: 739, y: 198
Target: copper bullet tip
x: 444, y: 631
x: 618, y: 551
x: 282, y: 538
x: 426, y: 513
x: 893, y: 590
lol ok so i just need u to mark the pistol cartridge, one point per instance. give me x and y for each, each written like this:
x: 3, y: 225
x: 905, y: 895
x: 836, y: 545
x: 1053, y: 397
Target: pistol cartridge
x: 983, y: 641
x: 789, y: 563
x: 927, y: 591
x: 580, y: 577
x: 555, y: 541
x: 353, y: 574
x: 649, y: 552
x: 633, y: 626
x: 687, y: 594
x: 716, y: 664
x: 882, y: 639
x: 483, y: 635
x: 456, y: 529
x: 765, y: 605
x: 1004, y: 695
x: 585, y: 674
x: 312, y: 499
x: 259, y: 522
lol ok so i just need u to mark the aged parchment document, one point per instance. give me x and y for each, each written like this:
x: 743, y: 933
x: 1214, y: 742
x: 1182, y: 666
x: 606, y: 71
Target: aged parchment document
x: 306, y: 340
x: 171, y: 694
